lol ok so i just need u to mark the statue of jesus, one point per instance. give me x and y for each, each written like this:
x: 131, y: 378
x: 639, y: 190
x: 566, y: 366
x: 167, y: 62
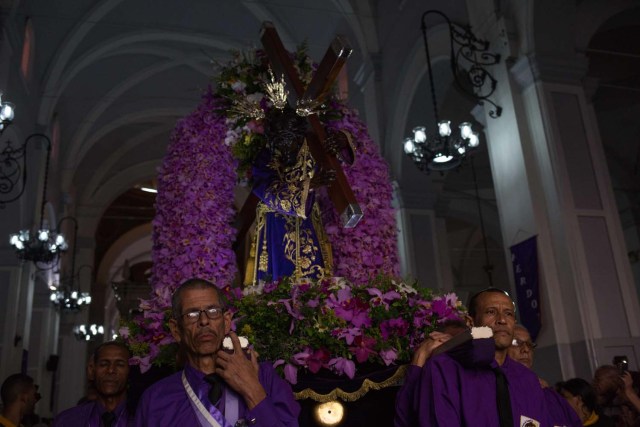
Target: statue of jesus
x: 290, y: 239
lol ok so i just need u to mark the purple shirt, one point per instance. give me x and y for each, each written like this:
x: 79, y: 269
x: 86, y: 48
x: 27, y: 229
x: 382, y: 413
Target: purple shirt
x: 88, y: 414
x: 166, y: 402
x: 444, y: 393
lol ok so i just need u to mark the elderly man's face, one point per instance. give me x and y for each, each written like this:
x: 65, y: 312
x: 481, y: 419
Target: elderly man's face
x: 496, y: 310
x: 522, y: 348
x: 204, y: 335
x: 111, y: 371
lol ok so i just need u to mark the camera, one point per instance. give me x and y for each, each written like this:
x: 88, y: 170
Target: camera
x: 622, y: 363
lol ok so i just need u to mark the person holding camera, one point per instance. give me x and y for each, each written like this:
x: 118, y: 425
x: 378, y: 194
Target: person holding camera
x: 617, y: 394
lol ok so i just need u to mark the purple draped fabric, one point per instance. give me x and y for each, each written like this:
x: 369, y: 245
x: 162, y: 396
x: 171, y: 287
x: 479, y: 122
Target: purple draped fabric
x: 166, y: 402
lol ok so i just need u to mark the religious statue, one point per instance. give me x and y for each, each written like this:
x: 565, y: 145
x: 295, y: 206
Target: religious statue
x: 290, y: 239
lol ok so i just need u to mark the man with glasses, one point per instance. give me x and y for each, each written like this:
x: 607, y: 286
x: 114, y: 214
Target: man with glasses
x: 216, y: 387
x: 521, y: 349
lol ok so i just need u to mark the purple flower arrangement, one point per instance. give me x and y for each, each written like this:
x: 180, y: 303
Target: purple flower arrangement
x: 337, y: 325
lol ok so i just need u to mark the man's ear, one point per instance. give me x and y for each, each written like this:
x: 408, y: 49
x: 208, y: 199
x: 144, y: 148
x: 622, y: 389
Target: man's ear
x: 228, y: 315
x: 468, y: 320
x: 175, y: 330
x: 91, y: 370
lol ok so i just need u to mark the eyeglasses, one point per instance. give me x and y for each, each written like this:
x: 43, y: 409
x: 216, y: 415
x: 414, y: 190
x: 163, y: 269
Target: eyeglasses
x: 519, y: 343
x: 212, y: 313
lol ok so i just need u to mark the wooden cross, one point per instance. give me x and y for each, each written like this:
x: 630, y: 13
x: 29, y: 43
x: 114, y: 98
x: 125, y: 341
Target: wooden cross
x: 340, y: 192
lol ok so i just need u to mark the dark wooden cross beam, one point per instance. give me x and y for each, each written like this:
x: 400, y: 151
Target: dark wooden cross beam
x: 340, y: 192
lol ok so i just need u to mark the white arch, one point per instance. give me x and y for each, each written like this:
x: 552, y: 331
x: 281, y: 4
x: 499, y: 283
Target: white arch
x: 365, y: 32
x: 81, y: 144
x: 69, y: 45
x: 116, y: 46
x: 591, y: 14
x: 125, y: 179
x: 135, y: 245
x: 99, y: 175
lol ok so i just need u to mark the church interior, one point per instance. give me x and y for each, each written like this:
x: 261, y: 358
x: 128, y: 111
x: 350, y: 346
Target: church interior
x: 97, y: 87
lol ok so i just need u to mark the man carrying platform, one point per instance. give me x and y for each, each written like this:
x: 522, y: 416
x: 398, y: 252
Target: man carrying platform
x: 215, y: 388
x: 477, y: 383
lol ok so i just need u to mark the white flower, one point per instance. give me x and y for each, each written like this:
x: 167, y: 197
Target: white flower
x: 406, y: 289
x: 254, y: 289
x: 238, y: 86
x: 231, y: 137
x: 339, y: 283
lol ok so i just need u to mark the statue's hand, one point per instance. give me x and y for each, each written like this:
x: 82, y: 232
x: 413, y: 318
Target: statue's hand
x: 322, y: 177
x: 337, y: 144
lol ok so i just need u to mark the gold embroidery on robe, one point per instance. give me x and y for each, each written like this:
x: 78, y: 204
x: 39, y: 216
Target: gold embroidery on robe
x: 298, y: 245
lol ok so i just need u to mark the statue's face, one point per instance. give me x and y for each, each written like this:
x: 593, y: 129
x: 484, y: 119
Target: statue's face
x: 285, y: 132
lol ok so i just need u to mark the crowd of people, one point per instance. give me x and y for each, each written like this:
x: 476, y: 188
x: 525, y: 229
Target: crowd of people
x: 483, y: 380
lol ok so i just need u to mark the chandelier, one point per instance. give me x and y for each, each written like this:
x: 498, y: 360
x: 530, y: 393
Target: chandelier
x: 65, y: 297
x: 87, y: 332
x: 448, y: 147
x: 41, y: 245
x: 44, y: 247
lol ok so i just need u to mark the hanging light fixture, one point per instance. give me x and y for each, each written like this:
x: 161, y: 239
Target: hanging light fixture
x: 66, y: 297
x: 88, y: 332
x: 40, y: 245
x: 7, y: 112
x: 448, y: 147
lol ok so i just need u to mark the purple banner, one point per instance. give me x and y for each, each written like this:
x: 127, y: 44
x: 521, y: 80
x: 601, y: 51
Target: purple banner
x: 524, y: 259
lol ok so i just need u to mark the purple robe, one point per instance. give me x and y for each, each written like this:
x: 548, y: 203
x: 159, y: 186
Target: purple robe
x: 89, y: 413
x: 290, y: 239
x: 406, y: 398
x: 444, y: 393
x: 166, y: 402
x: 560, y: 412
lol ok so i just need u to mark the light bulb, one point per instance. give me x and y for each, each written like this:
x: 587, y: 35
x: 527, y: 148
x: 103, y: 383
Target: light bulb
x: 444, y: 128
x: 420, y: 134
x: 409, y: 146
x: 43, y: 235
x: 7, y: 112
x: 465, y: 130
x: 474, y: 140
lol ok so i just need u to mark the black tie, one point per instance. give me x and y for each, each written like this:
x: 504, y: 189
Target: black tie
x: 503, y: 399
x: 216, y: 387
x: 108, y: 419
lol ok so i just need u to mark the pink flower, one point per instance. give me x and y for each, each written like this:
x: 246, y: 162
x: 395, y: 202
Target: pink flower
x: 291, y: 373
x: 394, y: 327
x: 382, y: 299
x: 124, y: 332
x: 363, y: 348
x: 389, y: 356
x: 143, y: 362
x: 342, y: 366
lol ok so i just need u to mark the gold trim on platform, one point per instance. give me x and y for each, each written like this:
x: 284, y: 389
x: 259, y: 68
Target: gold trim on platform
x: 338, y: 393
